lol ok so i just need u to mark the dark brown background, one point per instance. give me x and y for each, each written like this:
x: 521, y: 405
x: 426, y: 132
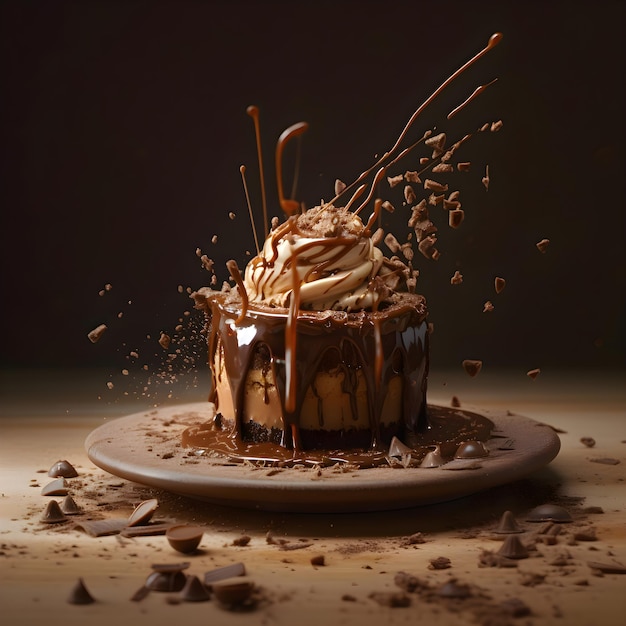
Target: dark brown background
x: 124, y: 125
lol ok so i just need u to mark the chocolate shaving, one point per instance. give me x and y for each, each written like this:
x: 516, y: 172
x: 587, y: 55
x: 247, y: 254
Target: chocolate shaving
x: 443, y: 168
x: 485, y: 179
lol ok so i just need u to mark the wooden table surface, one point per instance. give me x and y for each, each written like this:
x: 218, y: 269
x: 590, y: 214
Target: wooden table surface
x: 46, y: 417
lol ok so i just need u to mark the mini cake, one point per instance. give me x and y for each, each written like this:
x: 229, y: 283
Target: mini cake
x: 323, y: 344
x: 348, y: 370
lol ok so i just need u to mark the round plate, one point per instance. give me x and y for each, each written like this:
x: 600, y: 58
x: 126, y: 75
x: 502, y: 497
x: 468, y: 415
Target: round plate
x: 145, y: 448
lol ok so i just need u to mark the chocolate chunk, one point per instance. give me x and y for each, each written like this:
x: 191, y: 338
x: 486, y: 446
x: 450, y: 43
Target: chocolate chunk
x: 443, y: 168
x: 80, y: 594
x: 508, y: 524
x: 409, y: 194
x: 147, y: 530
x: 242, y: 541
x: 436, y: 142
x: 391, y: 600
x: 533, y: 373
x: 166, y: 581
x: 339, y: 186
x: 222, y: 573
x: 64, y: 469
x: 457, y: 278
x: 143, y: 512
x: 496, y: 126
x: 69, y: 506
x: 395, y: 180
x: 388, y: 206
x: 433, y: 458
x: 412, y: 177
x: 456, y: 217
x: 233, y: 592
x: 57, y: 487
x: 488, y: 307
x: 184, y: 538
x: 499, y: 284
x: 464, y: 166
x: 549, y: 513
x: 588, y: 441
x: 319, y: 560
x: 96, y: 334
x: 471, y: 450
x: 102, y: 528
x: 472, y: 366
x: 164, y: 341
x: 433, y: 185
x: 194, y: 590
x: 542, y: 246
x: 455, y: 402
x: 53, y: 513
x: 441, y: 562
x: 513, y: 548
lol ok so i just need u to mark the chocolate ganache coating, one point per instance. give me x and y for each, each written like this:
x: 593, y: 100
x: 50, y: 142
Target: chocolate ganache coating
x: 379, y: 347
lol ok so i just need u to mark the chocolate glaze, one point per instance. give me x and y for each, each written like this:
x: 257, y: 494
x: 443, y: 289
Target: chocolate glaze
x: 448, y: 428
x: 381, y: 345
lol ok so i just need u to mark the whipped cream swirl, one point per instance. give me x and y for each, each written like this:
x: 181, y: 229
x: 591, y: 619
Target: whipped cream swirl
x: 332, y: 255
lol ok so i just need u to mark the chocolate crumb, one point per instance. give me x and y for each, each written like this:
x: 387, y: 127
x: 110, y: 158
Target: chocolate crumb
x: 95, y: 334
x: 464, y: 166
x: 441, y: 562
x: 488, y: 307
x: 395, y: 180
x: 231, y: 215
x: 346, y: 597
x: 542, y: 246
x: 472, y: 366
x: 318, y: 560
x: 433, y: 185
x: 388, y: 206
x: 164, y: 341
x: 533, y: 373
x: 499, y: 284
x: 457, y: 278
x: 443, y: 168
x: 455, y: 402
x: 391, y: 600
x: 244, y: 540
x: 588, y: 441
x: 496, y: 126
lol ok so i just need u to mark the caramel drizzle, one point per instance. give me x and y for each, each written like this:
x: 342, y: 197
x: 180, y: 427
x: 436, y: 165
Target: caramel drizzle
x: 253, y: 112
x: 493, y: 41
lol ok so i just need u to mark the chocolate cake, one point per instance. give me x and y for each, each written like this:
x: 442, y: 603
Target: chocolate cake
x: 323, y: 345
x: 340, y: 361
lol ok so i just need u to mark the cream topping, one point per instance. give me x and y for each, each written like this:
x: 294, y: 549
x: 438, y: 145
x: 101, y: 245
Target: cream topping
x: 333, y: 259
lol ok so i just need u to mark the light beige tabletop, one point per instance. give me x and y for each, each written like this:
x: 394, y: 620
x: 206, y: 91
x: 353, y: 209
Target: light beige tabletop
x: 46, y: 417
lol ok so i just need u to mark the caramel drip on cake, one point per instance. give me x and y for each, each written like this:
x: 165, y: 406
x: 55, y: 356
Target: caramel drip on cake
x: 401, y: 349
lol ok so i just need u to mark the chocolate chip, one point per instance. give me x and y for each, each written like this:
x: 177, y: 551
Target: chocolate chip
x: 472, y: 366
